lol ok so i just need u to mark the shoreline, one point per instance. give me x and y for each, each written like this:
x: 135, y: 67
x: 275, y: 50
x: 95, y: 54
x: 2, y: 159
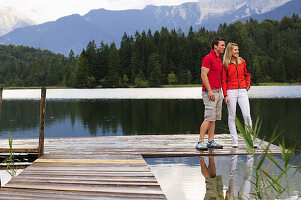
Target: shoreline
x: 162, y: 86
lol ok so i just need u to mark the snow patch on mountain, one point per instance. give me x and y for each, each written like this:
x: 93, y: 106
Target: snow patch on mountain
x: 10, y: 19
x: 209, y: 8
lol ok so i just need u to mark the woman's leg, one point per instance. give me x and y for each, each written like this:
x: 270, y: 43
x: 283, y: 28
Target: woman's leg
x: 232, y: 95
x: 243, y: 101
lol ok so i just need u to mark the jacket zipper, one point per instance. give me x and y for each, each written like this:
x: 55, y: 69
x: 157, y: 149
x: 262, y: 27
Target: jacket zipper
x: 237, y: 76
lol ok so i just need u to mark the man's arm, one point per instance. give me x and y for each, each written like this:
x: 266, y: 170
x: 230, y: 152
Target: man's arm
x: 204, y: 76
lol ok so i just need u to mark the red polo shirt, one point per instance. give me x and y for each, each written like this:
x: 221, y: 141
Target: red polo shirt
x: 215, y: 65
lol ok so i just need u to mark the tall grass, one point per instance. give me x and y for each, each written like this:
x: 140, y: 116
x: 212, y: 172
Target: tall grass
x: 266, y: 184
x: 10, y: 161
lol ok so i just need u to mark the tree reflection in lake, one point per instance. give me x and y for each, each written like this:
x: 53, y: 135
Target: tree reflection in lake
x: 84, y: 118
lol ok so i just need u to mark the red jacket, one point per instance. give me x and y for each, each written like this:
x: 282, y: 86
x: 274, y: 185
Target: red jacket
x: 235, y: 77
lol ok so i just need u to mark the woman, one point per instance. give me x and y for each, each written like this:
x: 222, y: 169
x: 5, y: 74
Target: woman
x: 235, y: 84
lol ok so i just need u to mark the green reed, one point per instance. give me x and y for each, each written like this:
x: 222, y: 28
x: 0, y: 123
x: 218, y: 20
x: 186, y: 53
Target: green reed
x: 266, y: 184
x: 10, y: 160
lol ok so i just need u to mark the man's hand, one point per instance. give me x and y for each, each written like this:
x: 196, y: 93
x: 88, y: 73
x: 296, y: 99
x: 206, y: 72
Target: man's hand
x: 227, y: 101
x: 211, y: 95
x: 204, y: 76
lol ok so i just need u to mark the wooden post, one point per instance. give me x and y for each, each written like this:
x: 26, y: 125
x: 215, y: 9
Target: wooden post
x: 1, y: 89
x: 42, y: 121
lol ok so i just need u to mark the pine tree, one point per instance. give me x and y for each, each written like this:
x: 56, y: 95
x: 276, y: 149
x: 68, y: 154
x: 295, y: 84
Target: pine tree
x: 155, y: 66
x: 113, y: 79
x: 81, y: 71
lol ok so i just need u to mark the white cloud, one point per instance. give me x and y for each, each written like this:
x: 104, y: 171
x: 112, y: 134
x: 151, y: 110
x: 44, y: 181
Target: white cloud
x: 48, y: 10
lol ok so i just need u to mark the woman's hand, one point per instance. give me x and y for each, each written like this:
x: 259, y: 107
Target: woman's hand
x: 227, y: 100
x: 248, y: 88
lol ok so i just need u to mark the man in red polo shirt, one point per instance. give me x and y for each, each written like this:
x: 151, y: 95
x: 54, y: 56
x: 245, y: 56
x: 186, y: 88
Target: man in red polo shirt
x: 211, y: 93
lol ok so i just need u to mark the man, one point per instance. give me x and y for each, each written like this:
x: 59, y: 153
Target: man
x: 214, y: 183
x: 211, y: 93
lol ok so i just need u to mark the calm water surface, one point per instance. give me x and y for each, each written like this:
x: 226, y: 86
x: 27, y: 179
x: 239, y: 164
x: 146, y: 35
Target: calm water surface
x: 183, y: 178
x: 103, y: 112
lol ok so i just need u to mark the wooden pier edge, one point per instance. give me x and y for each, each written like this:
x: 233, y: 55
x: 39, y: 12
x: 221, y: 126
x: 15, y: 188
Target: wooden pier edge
x: 108, y: 167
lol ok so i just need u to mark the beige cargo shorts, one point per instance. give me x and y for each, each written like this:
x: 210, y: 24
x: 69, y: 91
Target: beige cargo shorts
x: 213, y: 109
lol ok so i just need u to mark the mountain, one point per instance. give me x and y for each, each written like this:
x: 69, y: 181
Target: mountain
x: 75, y: 31
x: 287, y: 9
x: 10, y: 20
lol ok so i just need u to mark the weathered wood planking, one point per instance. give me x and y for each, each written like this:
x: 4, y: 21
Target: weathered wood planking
x: 104, y: 167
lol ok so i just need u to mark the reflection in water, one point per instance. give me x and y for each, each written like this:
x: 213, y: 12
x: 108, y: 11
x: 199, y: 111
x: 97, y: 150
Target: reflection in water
x: 5, y: 177
x: 86, y: 118
x: 234, y: 191
x: 214, y: 184
x: 218, y: 177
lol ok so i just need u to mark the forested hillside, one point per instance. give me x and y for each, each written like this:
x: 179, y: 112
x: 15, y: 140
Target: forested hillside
x: 24, y: 66
x: 271, y: 49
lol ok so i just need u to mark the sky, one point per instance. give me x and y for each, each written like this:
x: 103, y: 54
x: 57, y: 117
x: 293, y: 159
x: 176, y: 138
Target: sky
x: 48, y: 10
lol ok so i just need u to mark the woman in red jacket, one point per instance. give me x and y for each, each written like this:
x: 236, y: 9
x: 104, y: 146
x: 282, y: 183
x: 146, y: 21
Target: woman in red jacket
x: 235, y: 84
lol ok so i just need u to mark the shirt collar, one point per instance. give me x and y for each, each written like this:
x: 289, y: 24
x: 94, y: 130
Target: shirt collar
x: 213, y: 53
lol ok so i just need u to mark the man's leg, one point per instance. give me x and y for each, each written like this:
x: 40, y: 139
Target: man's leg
x: 211, y: 131
x: 203, y: 129
x: 204, y: 168
x: 217, y: 116
x: 211, y: 167
x: 208, y: 115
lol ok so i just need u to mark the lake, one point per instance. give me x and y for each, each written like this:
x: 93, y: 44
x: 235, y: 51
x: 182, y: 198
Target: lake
x: 184, y: 177
x: 139, y: 111
x: 107, y: 112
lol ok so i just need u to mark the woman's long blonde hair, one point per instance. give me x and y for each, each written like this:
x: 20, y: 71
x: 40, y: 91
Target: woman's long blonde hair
x: 228, y: 55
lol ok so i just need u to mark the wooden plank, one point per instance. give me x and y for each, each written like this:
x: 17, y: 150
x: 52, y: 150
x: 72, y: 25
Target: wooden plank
x: 81, y: 182
x: 97, y: 174
x: 45, y: 194
x: 19, y: 150
x: 76, y: 187
x: 88, y: 161
x: 103, y: 179
x: 88, y: 165
x: 90, y: 178
x: 90, y: 168
x: 103, y: 156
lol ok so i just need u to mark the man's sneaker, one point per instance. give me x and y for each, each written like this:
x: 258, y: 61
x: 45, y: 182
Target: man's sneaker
x: 213, y: 144
x: 201, y: 146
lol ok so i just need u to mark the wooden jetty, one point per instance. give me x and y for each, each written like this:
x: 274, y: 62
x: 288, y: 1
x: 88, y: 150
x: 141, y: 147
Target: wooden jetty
x: 110, y: 167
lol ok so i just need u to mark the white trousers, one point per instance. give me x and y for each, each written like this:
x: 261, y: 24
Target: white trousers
x: 240, y: 96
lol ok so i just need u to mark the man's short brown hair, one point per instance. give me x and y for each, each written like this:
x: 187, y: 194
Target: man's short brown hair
x: 216, y: 40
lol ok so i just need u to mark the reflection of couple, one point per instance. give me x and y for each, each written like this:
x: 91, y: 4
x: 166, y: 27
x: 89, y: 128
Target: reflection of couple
x: 214, y: 183
x: 234, y: 192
